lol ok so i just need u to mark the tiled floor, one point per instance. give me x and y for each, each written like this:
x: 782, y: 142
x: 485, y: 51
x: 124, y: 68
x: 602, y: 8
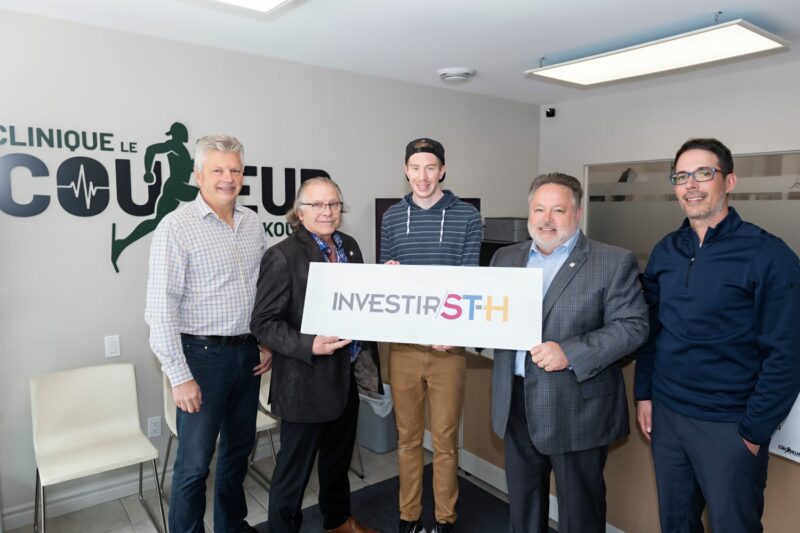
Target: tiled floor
x: 128, y: 516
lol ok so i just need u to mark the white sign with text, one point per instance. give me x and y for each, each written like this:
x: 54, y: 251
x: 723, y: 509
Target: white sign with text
x: 443, y: 305
x: 786, y: 440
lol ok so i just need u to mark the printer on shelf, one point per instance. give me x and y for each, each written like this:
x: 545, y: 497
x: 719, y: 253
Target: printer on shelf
x: 505, y: 229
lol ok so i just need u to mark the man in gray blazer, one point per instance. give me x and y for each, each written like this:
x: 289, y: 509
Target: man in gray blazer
x: 560, y: 404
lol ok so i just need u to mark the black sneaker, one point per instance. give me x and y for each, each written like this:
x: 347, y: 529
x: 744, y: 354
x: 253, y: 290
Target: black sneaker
x: 443, y: 527
x: 411, y: 527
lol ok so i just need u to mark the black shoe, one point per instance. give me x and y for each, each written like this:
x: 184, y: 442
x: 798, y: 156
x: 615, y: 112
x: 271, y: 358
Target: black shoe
x: 247, y: 528
x: 411, y: 527
x: 443, y: 527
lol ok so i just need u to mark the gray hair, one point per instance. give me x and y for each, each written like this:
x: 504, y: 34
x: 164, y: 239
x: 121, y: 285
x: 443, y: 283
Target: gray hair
x: 559, y: 179
x: 292, y: 216
x: 216, y: 143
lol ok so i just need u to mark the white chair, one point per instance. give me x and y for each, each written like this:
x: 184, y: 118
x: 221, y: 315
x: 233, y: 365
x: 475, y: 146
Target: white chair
x: 264, y: 422
x: 86, y: 421
x: 267, y: 422
x: 170, y: 419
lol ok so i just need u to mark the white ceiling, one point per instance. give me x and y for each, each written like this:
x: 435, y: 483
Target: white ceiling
x: 410, y: 40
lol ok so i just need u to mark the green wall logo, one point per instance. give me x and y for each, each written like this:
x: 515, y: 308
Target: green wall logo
x: 83, y: 186
x: 176, y: 187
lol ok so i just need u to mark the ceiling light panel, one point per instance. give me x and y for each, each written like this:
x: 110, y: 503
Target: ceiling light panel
x: 264, y: 6
x: 715, y: 43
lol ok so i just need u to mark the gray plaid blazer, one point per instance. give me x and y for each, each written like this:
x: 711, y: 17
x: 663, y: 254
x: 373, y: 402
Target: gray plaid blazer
x: 595, y: 310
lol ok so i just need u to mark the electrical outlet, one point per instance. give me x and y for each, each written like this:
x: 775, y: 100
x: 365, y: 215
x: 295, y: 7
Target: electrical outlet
x: 112, y: 346
x: 154, y: 426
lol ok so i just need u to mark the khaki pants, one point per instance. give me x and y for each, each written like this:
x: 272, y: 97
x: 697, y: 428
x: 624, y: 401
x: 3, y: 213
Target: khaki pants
x: 413, y: 371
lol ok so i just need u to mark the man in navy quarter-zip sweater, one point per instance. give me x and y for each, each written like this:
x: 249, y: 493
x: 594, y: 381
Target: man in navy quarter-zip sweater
x: 721, y: 369
x: 430, y: 226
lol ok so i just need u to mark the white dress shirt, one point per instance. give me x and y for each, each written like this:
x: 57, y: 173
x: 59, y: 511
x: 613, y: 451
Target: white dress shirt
x: 550, y: 265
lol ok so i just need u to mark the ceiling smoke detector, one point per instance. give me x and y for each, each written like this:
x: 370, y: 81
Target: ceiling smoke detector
x: 456, y: 74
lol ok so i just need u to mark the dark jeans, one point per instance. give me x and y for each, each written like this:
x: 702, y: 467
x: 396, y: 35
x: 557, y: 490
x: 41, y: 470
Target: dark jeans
x: 699, y: 462
x: 580, y: 487
x: 300, y: 443
x: 230, y: 399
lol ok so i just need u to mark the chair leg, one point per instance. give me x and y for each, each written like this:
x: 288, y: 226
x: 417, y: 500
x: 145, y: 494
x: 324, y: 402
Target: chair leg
x: 43, y: 517
x: 36, y: 503
x: 360, y: 470
x: 166, y: 462
x: 255, y: 447
x: 160, y: 498
x: 272, y: 447
x: 258, y: 475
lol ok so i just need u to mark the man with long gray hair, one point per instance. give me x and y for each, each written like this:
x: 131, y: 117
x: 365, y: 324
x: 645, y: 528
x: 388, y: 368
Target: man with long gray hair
x: 313, y: 387
x: 204, y: 264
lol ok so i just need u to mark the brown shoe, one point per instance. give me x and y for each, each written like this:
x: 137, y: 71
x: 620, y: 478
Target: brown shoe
x: 352, y: 526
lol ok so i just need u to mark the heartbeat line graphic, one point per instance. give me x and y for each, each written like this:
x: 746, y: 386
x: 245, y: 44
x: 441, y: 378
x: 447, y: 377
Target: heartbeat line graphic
x: 82, y: 184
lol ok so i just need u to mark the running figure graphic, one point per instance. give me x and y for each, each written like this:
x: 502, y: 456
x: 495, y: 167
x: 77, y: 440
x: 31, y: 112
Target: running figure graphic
x: 176, y: 187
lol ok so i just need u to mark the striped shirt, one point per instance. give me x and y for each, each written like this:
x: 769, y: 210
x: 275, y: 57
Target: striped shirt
x: 449, y: 233
x: 202, y: 279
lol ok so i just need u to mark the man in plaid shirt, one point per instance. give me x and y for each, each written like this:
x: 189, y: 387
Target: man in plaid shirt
x: 204, y: 263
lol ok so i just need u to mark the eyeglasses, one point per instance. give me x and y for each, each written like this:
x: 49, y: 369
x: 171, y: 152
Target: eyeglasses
x: 319, y: 207
x: 701, y: 174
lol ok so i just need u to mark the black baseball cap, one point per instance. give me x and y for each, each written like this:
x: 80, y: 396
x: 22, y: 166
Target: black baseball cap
x: 425, y: 144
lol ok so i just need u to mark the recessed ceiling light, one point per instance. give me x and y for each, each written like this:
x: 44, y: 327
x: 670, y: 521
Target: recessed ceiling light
x: 455, y: 74
x: 715, y: 43
x: 263, y: 6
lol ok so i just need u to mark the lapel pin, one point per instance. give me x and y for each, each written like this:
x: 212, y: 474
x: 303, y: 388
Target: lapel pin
x: 572, y: 265
x: 351, y: 253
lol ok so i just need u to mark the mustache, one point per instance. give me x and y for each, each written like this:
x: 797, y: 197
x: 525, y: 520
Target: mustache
x: 701, y: 195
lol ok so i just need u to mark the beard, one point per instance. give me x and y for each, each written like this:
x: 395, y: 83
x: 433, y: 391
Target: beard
x: 546, y: 243
x: 705, y: 211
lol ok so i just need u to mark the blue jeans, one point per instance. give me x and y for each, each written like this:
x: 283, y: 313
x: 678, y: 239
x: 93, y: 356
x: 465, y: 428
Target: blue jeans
x: 230, y: 400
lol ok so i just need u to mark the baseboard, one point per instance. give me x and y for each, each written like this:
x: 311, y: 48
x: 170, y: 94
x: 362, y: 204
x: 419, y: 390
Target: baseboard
x: 80, y: 497
x: 554, y: 516
x: 427, y: 440
x: 484, y: 470
x: 95, y: 492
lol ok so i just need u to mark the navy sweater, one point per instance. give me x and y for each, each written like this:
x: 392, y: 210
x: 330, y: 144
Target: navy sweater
x: 724, y: 335
x: 449, y: 233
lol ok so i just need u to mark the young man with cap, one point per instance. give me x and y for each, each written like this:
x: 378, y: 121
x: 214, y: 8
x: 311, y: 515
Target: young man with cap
x: 429, y: 226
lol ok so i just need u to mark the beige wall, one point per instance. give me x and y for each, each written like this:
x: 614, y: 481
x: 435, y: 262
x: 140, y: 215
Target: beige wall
x: 630, y: 480
x: 479, y: 438
x: 59, y: 295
